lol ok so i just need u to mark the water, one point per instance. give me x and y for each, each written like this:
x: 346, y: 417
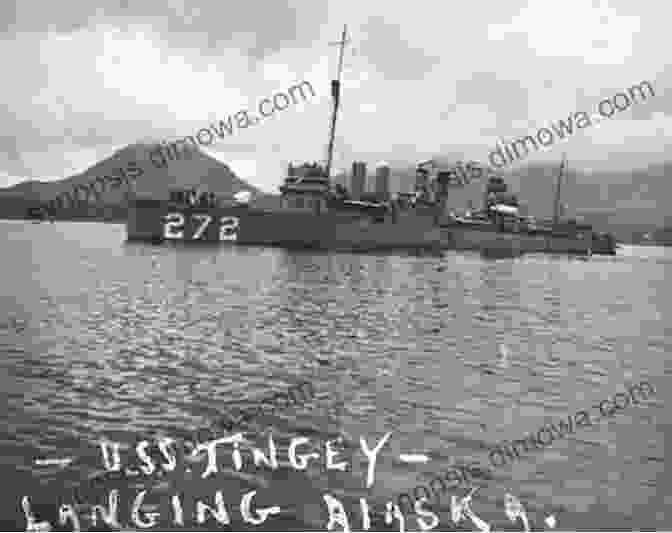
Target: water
x: 94, y: 345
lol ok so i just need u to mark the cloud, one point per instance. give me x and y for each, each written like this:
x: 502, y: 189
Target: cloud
x: 419, y: 79
x: 392, y: 53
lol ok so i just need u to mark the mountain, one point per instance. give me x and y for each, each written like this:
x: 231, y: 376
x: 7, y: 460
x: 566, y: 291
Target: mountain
x: 635, y: 197
x: 194, y: 168
x: 627, y: 202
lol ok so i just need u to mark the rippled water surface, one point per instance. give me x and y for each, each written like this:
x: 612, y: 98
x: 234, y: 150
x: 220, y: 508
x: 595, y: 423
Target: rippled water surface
x: 106, y: 340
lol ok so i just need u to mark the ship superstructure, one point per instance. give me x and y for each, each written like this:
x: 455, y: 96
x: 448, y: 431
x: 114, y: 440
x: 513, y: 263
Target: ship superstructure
x: 315, y: 211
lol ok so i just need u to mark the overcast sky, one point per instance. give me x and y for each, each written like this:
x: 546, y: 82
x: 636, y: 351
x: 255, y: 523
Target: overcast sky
x: 84, y: 78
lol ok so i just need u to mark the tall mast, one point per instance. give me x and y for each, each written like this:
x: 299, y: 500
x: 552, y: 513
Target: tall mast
x: 556, y: 205
x: 335, y: 94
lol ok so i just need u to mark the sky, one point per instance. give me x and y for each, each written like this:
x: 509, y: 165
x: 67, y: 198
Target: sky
x: 421, y: 79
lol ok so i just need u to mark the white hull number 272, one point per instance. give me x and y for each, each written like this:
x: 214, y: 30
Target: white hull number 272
x: 173, y: 227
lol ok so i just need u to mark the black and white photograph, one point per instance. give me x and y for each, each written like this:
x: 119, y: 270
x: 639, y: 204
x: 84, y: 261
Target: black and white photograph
x: 308, y: 265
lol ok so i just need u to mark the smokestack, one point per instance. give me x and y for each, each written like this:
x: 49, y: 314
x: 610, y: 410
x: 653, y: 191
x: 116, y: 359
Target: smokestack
x: 382, y: 188
x: 358, y: 179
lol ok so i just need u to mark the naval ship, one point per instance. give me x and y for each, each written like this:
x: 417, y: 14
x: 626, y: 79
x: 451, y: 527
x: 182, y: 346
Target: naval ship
x: 317, y: 213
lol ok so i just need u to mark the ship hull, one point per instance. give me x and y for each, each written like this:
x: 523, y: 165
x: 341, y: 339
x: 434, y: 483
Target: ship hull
x: 247, y: 226
x: 465, y: 238
x: 155, y: 221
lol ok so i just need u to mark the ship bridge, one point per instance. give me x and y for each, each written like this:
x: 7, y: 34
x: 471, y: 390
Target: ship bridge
x: 306, y: 188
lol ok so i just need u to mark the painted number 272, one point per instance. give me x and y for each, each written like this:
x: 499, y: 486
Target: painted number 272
x: 173, y: 227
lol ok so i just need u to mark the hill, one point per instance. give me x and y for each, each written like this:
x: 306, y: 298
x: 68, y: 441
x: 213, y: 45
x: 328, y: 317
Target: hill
x: 628, y: 203
x: 194, y: 168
